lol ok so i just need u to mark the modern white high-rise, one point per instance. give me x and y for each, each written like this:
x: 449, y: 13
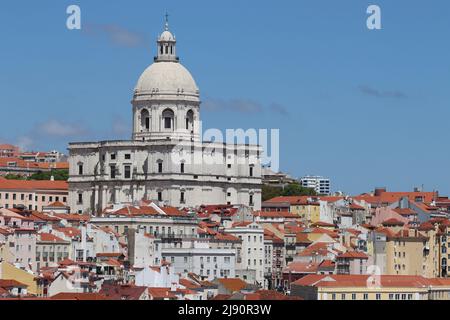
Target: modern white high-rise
x: 320, y: 184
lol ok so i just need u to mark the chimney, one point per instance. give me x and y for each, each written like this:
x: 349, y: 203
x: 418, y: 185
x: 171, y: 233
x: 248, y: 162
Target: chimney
x: 379, y: 191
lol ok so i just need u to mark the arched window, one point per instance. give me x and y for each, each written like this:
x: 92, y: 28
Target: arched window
x: 145, y: 120
x: 190, y: 120
x: 168, y: 117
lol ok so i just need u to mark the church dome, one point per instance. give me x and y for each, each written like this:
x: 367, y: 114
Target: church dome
x: 166, y: 78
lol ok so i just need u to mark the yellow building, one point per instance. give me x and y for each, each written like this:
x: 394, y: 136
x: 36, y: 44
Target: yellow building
x: 9, y: 272
x: 365, y: 287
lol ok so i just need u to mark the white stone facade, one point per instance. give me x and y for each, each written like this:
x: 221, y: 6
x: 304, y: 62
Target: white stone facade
x: 166, y: 160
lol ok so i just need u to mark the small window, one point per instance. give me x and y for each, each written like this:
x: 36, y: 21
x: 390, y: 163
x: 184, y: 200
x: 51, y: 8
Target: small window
x: 167, y: 123
x: 251, y: 171
x: 127, y: 172
x: 113, y: 172
x: 113, y: 156
x: 160, y: 167
x: 80, y: 169
x: 127, y: 156
x: 80, y: 198
x: 160, y: 198
x: 182, y: 200
x: 182, y: 168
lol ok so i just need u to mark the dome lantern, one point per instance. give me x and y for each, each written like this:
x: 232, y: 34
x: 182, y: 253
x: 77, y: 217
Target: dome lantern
x: 166, y: 45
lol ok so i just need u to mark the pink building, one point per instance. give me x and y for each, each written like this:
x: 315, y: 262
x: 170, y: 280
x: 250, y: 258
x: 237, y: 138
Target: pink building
x: 18, y: 234
x: 8, y: 151
x: 32, y: 195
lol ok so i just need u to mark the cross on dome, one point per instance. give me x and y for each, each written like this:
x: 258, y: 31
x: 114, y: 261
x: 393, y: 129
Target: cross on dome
x: 166, y: 44
x: 166, y: 27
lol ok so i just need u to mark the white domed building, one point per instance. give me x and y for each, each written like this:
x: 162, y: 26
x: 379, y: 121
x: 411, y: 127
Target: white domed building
x: 166, y: 161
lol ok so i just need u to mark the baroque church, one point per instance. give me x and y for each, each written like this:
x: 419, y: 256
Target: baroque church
x: 166, y: 160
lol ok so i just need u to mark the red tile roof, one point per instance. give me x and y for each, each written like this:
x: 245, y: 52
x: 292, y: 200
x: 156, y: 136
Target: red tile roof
x: 361, y: 281
x: 353, y: 255
x: 33, y: 185
x: 8, y: 284
x: 79, y: 296
x: 232, y: 284
x: 48, y: 237
x: 301, y: 267
x: 161, y: 293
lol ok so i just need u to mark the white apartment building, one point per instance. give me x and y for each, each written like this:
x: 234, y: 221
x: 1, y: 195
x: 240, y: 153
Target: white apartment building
x: 250, y: 258
x: 320, y: 184
x: 143, y: 249
x: 198, y: 257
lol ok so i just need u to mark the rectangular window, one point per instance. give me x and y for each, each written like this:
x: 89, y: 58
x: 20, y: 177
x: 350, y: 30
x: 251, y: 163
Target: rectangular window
x: 113, y: 172
x: 127, y: 172
x: 182, y: 168
x: 182, y: 200
x: 160, y: 167
x: 160, y: 196
x: 251, y: 171
x: 80, y: 169
x: 14, y: 196
x: 127, y: 156
x: 167, y: 123
x: 113, y: 156
x: 22, y: 197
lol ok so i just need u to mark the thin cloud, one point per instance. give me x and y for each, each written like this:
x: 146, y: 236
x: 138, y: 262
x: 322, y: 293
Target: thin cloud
x: 236, y: 105
x: 115, y: 34
x: 279, y: 109
x: 242, y: 106
x: 369, y: 91
x: 57, y: 128
x: 120, y: 126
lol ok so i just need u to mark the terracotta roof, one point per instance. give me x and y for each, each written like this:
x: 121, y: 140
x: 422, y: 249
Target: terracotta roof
x: 48, y: 237
x: 353, y: 255
x: 226, y: 237
x: 33, y: 185
x: 301, y: 267
x: 69, y: 231
x: 161, y: 293
x: 222, y: 297
x: 232, y: 284
x: 275, y: 214
x: 393, y: 222
x: 8, y: 284
x: 361, y: 281
x: 73, y: 217
x: 79, y: 296
x: 122, y: 292
x: 405, y: 211
x: 56, y: 204
x: 269, y: 295
x: 189, y: 284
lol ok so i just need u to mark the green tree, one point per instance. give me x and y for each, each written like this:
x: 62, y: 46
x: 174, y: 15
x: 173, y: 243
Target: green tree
x: 11, y: 176
x: 59, y: 175
x: 293, y: 189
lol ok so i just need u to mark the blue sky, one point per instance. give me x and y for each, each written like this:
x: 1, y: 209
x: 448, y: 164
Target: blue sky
x: 365, y: 108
